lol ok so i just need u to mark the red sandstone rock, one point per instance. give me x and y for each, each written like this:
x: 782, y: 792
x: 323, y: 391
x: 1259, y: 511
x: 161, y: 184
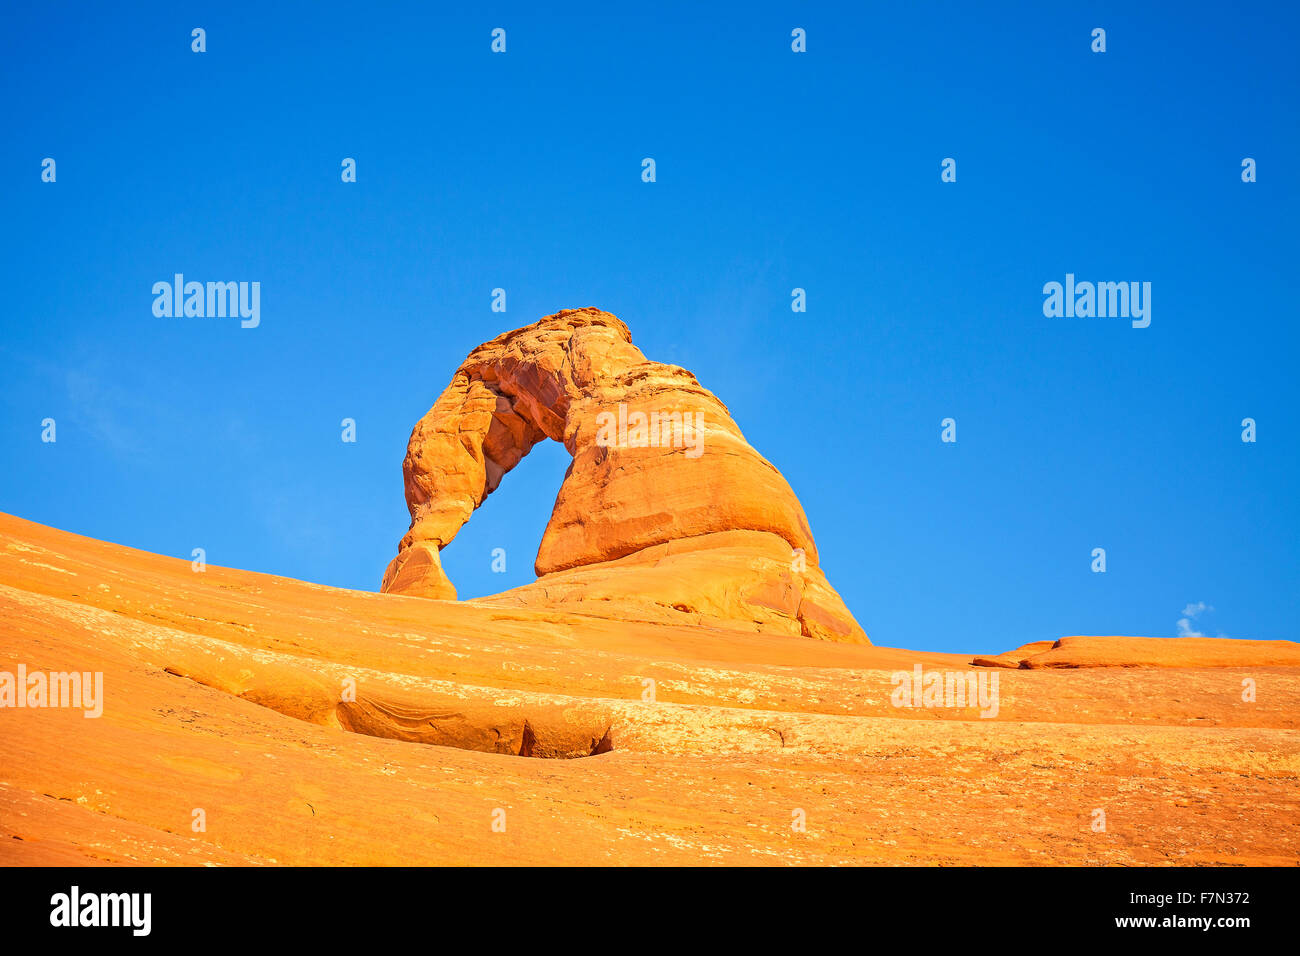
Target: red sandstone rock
x: 1092, y: 651
x: 222, y: 692
x: 683, y: 517
x: 1015, y: 658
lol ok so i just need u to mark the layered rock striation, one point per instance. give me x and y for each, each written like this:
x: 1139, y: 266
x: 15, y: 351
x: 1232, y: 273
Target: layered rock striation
x: 665, y: 511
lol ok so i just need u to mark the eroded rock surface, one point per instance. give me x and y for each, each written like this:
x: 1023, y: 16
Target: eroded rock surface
x: 660, y: 516
x: 1089, y: 650
x: 223, y: 690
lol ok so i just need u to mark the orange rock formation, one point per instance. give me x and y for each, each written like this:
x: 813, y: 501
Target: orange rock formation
x: 223, y: 694
x: 1148, y: 652
x: 684, y: 521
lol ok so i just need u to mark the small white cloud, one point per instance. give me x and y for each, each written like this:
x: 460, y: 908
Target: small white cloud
x: 1189, y: 614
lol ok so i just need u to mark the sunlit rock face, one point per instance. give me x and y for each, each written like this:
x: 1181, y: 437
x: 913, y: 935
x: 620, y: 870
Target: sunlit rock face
x: 316, y: 725
x: 666, y: 513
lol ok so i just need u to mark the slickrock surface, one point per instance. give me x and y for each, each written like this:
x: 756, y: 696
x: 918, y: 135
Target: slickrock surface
x: 697, y: 515
x: 223, y: 694
x: 1090, y: 651
x: 1017, y: 657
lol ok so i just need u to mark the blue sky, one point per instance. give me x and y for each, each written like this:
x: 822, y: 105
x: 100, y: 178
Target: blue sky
x: 775, y: 170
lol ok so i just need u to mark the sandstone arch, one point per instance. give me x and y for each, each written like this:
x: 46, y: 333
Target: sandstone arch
x: 632, y: 525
